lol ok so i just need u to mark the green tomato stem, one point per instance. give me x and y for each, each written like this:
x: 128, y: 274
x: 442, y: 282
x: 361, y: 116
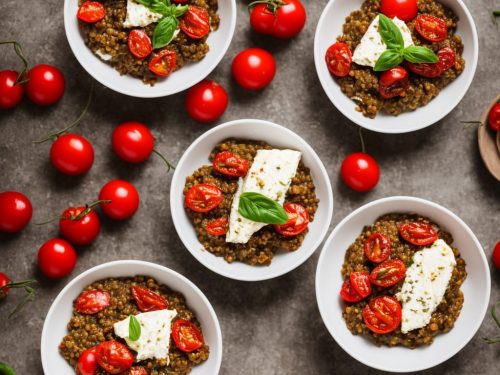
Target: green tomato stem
x: 20, y: 54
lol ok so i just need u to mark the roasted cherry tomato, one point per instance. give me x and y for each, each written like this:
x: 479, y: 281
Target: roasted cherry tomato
x: 262, y: 19
x: 180, y: 1
x: 360, y: 171
x: 10, y: 93
x: 388, y: 273
x: 72, y: 154
x: 227, y: 163
x: 139, y: 43
x: 92, y: 302
x: 203, y: 197
x: 163, y: 63
x: 147, y: 300
x: 382, y: 315
x: 405, y: 10
x: 45, y: 85
x: 187, y: 336
x: 377, y: 247
x: 124, y: 199
x: 133, y: 142
x: 218, y: 227
x: 420, y: 234
x: 360, y: 281
x: 253, y: 68
x: 288, y: 20
x: 56, y: 258
x: 494, y: 118
x: 114, y: 357
x: 432, y: 28
x: 338, y: 59
x: 195, y: 23
x: 495, y: 256
x: 447, y: 59
x: 348, y: 293
x: 15, y: 211
x: 393, y: 82
x: 77, y: 228
x: 4, y: 280
x: 206, y: 101
x: 87, y: 362
x: 298, y: 220
x: 91, y: 11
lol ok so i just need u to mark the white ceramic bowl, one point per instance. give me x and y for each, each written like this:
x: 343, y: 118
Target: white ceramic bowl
x: 197, y: 155
x: 476, y: 288
x: 180, y: 80
x: 330, y: 26
x: 54, y: 328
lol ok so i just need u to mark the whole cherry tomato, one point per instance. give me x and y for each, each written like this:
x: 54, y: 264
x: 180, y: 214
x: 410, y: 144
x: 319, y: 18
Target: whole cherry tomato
x: 338, y: 59
x: 187, y: 336
x: 405, y: 10
x: 45, y: 85
x: 203, y: 197
x: 285, y: 22
x: 10, y: 93
x: 206, y: 101
x: 432, y: 28
x: 298, y: 220
x: 4, y: 280
x: 139, y: 43
x: 91, y: 11
x: 360, y: 281
x: 496, y: 256
x: 262, y: 19
x: 229, y: 164
x: 56, y: 258
x: 79, y: 227
x: 163, y: 63
x: 114, y: 357
x: 393, y: 82
x: 388, y: 273
x: 218, y: 227
x: 377, y: 247
x: 348, y: 293
x: 420, y: 234
x: 382, y: 315
x: 124, y: 199
x: 72, y: 154
x: 360, y: 171
x: 133, y: 142
x: 195, y: 23
x: 92, y: 302
x: 494, y: 118
x: 147, y: 300
x: 253, y: 68
x: 87, y: 362
x: 15, y: 211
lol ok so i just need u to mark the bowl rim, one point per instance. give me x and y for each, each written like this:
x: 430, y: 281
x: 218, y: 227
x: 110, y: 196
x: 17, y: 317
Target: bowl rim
x: 339, y: 227
x: 370, y: 124
x: 175, y: 274
x: 152, y: 94
x: 235, y: 123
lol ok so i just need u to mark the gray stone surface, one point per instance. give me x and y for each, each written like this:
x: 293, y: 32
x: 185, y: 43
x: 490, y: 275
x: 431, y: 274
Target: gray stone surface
x: 271, y: 327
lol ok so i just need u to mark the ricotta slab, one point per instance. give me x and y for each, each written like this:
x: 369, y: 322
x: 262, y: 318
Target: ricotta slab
x: 139, y: 16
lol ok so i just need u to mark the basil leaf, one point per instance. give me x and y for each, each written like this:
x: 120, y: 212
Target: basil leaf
x: 180, y: 10
x: 417, y: 54
x: 6, y: 370
x: 390, y: 33
x: 164, y: 31
x: 259, y: 208
x: 157, y: 6
x: 134, y: 328
x: 388, y: 59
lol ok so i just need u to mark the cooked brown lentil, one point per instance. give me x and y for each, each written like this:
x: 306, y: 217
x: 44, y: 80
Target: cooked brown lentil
x: 265, y: 243
x: 361, y: 84
x: 442, y: 320
x: 108, y: 36
x: 86, y: 331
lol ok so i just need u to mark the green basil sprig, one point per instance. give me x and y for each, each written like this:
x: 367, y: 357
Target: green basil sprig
x: 165, y: 29
x: 134, y: 328
x: 396, y: 52
x: 6, y: 369
x: 259, y: 208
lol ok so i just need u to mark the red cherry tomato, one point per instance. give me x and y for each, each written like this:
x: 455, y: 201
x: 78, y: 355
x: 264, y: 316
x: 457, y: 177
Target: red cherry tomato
x: 393, y: 82
x: 79, y: 231
x: 124, y: 199
x: 180, y: 1
x: 360, y: 171
x: 137, y: 370
x: 147, y: 300
x: 495, y: 256
x: 420, y: 234
x: 163, y: 63
x: 377, y: 247
x: 338, y: 59
x: 114, y: 357
x: 253, y: 68
x: 87, y: 362
x: 388, y: 273
x: 494, y: 118
x: 92, y: 302
x: 447, y: 58
x: 91, y: 11
x: 133, y: 142
x: 360, y: 281
x: 15, y: 211
x: 229, y: 164
x: 206, y: 101
x: 290, y: 19
x: 139, y: 43
x: 405, y: 10
x: 432, y: 28
x: 382, y: 315
x: 72, y: 154
x: 187, y: 336
x: 195, y: 23
x: 298, y: 220
x: 348, y: 293
x: 56, y: 258
x: 262, y: 19
x: 203, y: 197
x: 4, y: 280
x: 45, y: 85
x: 10, y: 93
x: 218, y: 227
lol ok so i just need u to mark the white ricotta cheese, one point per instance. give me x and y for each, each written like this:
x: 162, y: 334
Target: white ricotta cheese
x: 155, y: 334
x: 372, y: 46
x: 139, y: 16
x: 425, y: 284
x: 271, y: 174
x: 103, y: 56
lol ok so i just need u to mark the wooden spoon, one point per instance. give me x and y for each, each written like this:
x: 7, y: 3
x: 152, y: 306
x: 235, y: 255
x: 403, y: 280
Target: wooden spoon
x: 489, y: 143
